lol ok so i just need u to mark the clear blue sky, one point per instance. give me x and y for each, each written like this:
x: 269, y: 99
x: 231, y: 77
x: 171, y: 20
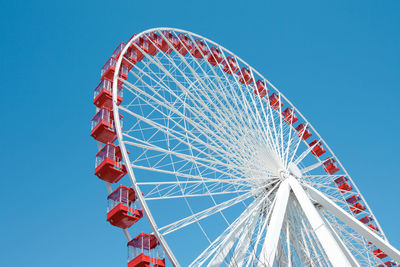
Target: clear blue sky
x: 337, y: 61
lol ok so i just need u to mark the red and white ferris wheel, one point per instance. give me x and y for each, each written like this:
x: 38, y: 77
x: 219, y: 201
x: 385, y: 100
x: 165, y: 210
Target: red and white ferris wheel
x: 225, y: 169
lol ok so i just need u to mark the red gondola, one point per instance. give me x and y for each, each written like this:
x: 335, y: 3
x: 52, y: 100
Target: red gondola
x: 245, y: 76
x: 108, y: 69
x: 108, y: 164
x: 365, y: 219
x: 373, y: 227
x: 345, y: 187
x: 275, y: 102
x: 103, y: 129
x: 103, y: 94
x: 388, y: 264
x: 186, y: 44
x: 122, y: 210
x: 302, y: 131
x: 357, y: 208
x: 340, y: 180
x: 289, y: 116
x: 135, y: 55
x: 261, y: 90
x: 330, y: 166
x: 118, y: 50
x: 199, y: 49
x: 353, y: 199
x: 145, y: 251
x: 148, y: 44
x: 215, y: 56
x: 163, y: 42
x: 229, y: 65
x: 379, y: 253
x: 318, y: 150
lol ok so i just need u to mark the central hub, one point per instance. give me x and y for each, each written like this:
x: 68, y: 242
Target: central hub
x: 283, y: 174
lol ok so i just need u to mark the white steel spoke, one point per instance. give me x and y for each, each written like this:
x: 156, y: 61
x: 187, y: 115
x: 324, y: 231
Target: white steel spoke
x: 203, y: 214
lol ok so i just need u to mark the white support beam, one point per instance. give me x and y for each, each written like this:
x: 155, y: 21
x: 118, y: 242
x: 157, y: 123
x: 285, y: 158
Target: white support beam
x: 334, y: 252
x: 355, y: 224
x: 353, y: 261
x: 267, y: 256
x: 243, y: 244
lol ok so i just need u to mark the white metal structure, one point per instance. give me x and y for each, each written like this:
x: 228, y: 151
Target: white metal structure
x: 223, y: 177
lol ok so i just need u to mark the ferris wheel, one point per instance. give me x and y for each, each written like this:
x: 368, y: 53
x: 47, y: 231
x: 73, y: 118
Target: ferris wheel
x: 225, y: 169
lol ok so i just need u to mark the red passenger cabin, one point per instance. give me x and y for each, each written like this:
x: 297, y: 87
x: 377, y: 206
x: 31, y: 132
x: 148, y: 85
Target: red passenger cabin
x: 388, y: 264
x: 107, y: 71
x: 261, y: 90
x: 186, y: 44
x: 199, y: 49
x: 103, y: 94
x: 373, y: 227
x: 353, y: 199
x: 340, y: 180
x: 229, y: 65
x: 108, y: 164
x: 122, y: 210
x: 245, y: 76
x: 357, y: 208
x: 379, y: 253
x: 345, y: 187
x: 118, y: 50
x: 135, y: 55
x: 318, y: 150
x: 302, y: 131
x: 145, y: 251
x: 165, y: 41
x: 330, y: 166
x: 148, y: 43
x: 103, y: 129
x: 365, y: 219
x: 215, y: 56
x: 275, y: 101
x: 289, y: 116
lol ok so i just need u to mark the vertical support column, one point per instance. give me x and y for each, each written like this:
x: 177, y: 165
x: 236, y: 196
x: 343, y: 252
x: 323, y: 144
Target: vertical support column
x: 267, y: 256
x: 335, y: 254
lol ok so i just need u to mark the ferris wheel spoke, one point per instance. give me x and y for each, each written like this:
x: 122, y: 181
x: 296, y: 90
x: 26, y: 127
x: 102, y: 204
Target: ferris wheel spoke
x: 238, y: 182
x: 289, y: 145
x: 242, y: 247
x: 355, y: 244
x: 340, y: 235
x: 311, y: 248
x: 311, y: 167
x: 160, y: 188
x: 273, y: 119
x: 229, y: 233
x: 203, y: 214
x: 223, y: 92
x: 185, y: 189
x: 202, y: 155
x: 201, y: 128
x: 189, y: 158
x: 188, y: 134
x: 197, y: 100
x: 267, y: 208
x: 191, y: 195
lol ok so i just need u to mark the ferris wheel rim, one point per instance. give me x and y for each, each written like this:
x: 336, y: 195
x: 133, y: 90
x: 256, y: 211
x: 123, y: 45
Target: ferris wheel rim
x: 125, y: 156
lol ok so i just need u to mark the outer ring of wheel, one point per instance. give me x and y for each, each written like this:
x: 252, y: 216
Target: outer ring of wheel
x: 125, y: 156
